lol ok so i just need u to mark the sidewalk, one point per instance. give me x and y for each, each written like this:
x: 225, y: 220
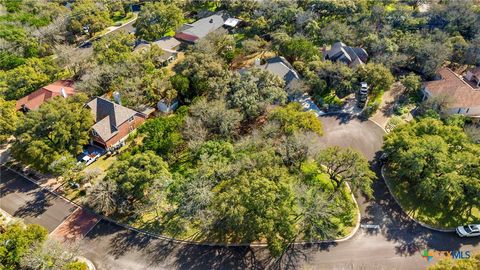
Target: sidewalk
x: 385, y: 112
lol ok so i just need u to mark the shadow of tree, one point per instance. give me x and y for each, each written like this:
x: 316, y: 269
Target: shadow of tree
x: 37, y: 206
x: 11, y: 182
x: 409, y: 236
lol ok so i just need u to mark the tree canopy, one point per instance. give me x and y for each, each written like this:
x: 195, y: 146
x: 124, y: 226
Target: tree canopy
x: 436, y: 162
x: 8, y: 119
x: 158, y: 19
x: 29, y: 247
x: 60, y: 127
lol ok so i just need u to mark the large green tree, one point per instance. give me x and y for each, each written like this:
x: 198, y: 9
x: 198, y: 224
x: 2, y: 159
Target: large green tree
x: 8, y: 119
x: 17, y: 242
x: 27, y: 78
x: 134, y: 176
x: 254, y: 90
x: 88, y: 17
x: 436, y: 162
x: 114, y: 47
x: 298, y: 48
x: 157, y: 19
x: 163, y: 134
x: 206, y: 73
x: 60, y: 127
x: 293, y: 118
x: 377, y: 76
x: 347, y: 166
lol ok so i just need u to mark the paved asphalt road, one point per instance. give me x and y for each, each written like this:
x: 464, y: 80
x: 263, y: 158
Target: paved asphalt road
x: 22, y: 198
x: 395, y: 245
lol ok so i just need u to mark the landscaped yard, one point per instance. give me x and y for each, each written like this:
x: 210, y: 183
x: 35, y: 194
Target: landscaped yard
x: 345, y: 221
x: 436, y: 216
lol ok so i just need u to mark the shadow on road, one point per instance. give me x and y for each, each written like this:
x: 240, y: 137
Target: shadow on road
x: 409, y: 236
x: 36, y: 206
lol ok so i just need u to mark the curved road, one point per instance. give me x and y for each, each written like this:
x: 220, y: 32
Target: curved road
x: 395, y: 245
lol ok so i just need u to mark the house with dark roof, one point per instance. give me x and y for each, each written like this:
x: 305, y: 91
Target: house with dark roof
x: 352, y: 56
x: 282, y: 68
x: 35, y: 99
x: 460, y: 97
x: 473, y: 76
x: 191, y: 33
x: 113, y: 122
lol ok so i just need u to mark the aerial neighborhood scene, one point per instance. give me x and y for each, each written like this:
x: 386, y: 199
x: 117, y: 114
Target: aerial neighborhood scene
x: 240, y: 134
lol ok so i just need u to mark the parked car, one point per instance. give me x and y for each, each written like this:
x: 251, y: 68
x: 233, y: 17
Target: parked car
x: 468, y: 230
x: 362, y: 95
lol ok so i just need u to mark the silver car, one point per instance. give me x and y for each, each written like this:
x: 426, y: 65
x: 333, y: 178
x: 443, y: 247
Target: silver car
x: 469, y: 230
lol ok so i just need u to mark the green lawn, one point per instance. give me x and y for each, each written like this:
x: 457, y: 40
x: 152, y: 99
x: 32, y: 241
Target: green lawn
x: 436, y: 216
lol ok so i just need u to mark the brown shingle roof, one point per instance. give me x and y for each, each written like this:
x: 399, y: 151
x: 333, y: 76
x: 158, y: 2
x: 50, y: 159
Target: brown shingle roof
x: 461, y: 94
x: 38, y: 97
x: 108, y: 116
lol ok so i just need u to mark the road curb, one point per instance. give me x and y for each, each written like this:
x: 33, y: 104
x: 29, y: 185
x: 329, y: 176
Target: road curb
x: 197, y: 243
x: 393, y: 195
x: 405, y: 212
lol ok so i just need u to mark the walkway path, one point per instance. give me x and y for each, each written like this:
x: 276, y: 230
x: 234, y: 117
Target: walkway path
x: 389, y: 99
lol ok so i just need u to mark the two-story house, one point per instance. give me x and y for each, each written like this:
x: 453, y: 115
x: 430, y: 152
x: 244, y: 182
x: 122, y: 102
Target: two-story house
x: 113, y: 122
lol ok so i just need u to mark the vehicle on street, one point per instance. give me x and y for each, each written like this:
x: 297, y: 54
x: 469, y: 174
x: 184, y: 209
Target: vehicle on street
x: 468, y: 230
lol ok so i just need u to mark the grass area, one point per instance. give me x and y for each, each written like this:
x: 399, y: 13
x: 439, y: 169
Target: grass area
x: 439, y: 217
x: 248, y: 60
x: 170, y: 33
x: 122, y: 19
x: 103, y: 163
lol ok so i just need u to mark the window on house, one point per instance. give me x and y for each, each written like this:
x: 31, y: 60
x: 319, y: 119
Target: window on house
x: 459, y: 110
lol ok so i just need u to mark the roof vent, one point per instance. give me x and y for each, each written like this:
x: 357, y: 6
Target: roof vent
x: 211, y: 20
x: 62, y: 91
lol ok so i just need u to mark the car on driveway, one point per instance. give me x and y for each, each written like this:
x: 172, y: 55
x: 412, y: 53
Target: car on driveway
x: 468, y: 230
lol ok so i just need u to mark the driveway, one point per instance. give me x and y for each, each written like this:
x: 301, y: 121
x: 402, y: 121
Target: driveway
x: 24, y: 199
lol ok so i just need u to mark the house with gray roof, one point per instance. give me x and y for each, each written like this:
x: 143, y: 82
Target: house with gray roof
x: 169, y: 46
x: 282, y: 68
x: 191, y: 33
x: 352, y: 56
x: 113, y: 122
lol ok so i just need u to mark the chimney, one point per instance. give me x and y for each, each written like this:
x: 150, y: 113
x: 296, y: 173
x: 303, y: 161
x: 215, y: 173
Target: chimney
x: 116, y: 97
x: 62, y: 91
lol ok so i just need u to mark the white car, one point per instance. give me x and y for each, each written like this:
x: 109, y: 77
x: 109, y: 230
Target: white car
x: 468, y: 230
